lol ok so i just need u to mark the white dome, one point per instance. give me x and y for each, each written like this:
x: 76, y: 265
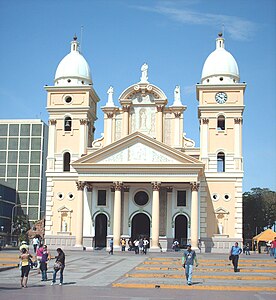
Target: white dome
x: 73, y: 68
x: 220, y: 66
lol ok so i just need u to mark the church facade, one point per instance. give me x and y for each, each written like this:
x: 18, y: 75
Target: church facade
x: 144, y: 177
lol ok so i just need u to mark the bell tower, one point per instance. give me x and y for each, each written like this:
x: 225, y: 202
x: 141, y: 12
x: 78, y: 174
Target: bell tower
x: 220, y: 111
x: 72, y: 108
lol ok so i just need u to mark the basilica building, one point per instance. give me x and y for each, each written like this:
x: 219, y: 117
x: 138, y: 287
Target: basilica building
x: 143, y: 177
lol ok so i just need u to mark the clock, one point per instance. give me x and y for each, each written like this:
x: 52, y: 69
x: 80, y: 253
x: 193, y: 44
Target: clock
x: 221, y: 97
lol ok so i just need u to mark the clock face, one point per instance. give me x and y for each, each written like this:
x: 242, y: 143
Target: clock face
x: 221, y: 97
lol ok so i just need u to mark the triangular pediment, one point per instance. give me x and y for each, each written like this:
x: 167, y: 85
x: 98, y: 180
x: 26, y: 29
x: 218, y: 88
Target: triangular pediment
x: 137, y: 148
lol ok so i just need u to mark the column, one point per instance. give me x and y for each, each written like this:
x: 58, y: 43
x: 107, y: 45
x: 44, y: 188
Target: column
x: 51, y: 145
x: 194, y: 214
x: 159, y: 123
x: 117, y: 215
x: 83, y: 137
x: 87, y: 208
x: 237, y: 145
x: 125, y: 127
x: 204, y: 141
x: 155, y: 216
x: 79, y: 214
x: 177, y: 134
x: 108, y: 125
x: 126, y: 212
x: 169, y: 212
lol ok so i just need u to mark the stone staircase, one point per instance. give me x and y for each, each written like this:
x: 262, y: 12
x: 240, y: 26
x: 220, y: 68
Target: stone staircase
x: 256, y: 274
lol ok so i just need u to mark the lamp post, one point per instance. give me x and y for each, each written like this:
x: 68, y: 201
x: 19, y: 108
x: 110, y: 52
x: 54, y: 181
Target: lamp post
x: 16, y: 205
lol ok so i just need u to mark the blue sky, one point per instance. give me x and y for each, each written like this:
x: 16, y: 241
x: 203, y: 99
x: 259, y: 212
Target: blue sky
x: 173, y: 37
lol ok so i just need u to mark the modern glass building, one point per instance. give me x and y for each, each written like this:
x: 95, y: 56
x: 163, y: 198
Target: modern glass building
x: 23, y: 147
x: 7, y: 202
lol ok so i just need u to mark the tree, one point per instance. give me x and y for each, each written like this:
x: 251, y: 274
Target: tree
x: 20, y: 227
x: 259, y: 211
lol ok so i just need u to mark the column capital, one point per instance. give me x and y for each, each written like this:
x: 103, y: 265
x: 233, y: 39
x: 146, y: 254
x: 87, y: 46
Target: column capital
x: 89, y: 187
x: 117, y: 186
x: 126, y: 189
x: 125, y: 108
x: 52, y: 122
x: 80, y: 185
x: 110, y: 115
x: 238, y: 120
x: 83, y: 122
x: 159, y: 108
x: 169, y: 189
x: 156, y: 186
x: 205, y: 121
x: 177, y: 114
x: 194, y: 186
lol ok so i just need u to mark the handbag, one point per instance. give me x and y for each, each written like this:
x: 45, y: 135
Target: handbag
x: 230, y: 257
x: 57, y: 265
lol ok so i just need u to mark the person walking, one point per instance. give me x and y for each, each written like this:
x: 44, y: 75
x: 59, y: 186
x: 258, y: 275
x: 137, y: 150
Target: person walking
x: 273, y: 247
x: 136, y: 245
x: 25, y: 257
x: 35, y: 243
x: 111, y: 244
x: 59, y: 266
x: 234, y: 254
x: 247, y: 247
x: 39, y: 252
x: 44, y: 262
x: 199, y: 245
x: 145, y: 245
x: 188, y: 260
x: 123, y: 244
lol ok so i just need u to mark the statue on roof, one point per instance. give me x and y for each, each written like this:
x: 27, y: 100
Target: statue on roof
x: 177, y: 100
x: 110, y: 92
x: 144, y: 69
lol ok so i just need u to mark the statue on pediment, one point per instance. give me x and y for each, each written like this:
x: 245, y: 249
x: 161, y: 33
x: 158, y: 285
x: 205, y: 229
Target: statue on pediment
x: 144, y: 69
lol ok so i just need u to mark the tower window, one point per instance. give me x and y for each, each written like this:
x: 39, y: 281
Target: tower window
x: 66, y: 162
x: 101, y: 197
x: 220, y: 162
x: 221, y: 123
x: 67, y: 124
x: 181, y: 198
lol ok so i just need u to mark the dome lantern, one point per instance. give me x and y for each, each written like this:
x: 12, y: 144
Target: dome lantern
x: 73, y: 70
x: 220, y: 66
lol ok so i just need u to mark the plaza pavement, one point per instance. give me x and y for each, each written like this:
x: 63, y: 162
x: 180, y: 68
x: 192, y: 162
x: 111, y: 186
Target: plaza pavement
x: 98, y: 269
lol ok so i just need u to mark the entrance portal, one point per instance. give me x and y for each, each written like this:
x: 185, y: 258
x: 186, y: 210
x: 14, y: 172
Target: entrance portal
x: 140, y: 226
x: 101, y: 230
x: 181, y: 228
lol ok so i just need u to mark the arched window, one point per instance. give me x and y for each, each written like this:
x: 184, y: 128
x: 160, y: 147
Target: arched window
x: 220, y: 162
x: 221, y: 123
x: 67, y: 124
x: 66, y: 162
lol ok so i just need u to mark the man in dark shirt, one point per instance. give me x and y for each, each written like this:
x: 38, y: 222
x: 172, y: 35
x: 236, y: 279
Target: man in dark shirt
x: 188, y: 259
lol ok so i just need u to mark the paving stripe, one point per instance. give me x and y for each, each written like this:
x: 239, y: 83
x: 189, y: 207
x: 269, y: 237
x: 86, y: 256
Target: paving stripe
x: 195, y: 287
x: 209, y: 264
x: 210, y: 260
x: 8, y: 265
x: 222, y: 277
x: 205, y: 259
x: 205, y: 270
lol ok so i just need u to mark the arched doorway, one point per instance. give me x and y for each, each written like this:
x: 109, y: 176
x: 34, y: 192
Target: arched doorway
x: 140, y: 226
x: 181, y: 230
x: 100, y: 230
